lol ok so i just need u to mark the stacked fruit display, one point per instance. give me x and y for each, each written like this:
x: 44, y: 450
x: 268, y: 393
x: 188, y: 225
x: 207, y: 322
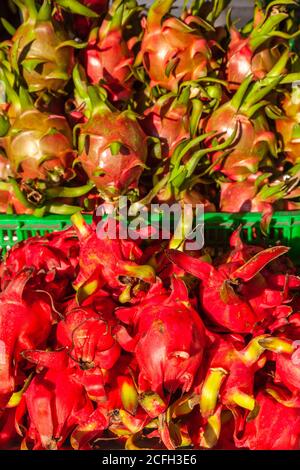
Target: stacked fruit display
x: 108, y: 341
x: 100, y: 101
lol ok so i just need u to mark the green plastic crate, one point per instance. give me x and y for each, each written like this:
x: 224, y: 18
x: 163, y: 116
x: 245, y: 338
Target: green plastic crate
x: 284, y: 229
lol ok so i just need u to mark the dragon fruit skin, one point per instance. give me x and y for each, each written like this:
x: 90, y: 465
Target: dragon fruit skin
x: 166, y: 323
x: 242, y: 197
x: 88, y: 338
x: 25, y: 322
x: 258, y: 51
x: 243, y: 60
x: 81, y: 24
x: 9, y: 438
x: 229, y: 380
x: 276, y: 427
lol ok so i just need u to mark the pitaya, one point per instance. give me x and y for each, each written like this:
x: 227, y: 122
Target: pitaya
x: 88, y: 337
x: 257, y: 53
x: 107, y: 261
x: 173, y: 50
x: 25, y: 322
x: 288, y: 126
x: 55, y: 403
x: 168, y: 120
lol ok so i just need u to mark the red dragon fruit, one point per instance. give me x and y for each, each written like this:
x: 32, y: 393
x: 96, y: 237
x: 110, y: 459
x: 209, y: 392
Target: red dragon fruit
x: 275, y: 427
x: 109, y: 58
x: 25, y: 322
x: 254, y: 138
x: 172, y: 50
x: 254, y: 194
x: 251, y: 195
x: 9, y: 203
x: 236, y: 295
x: 88, y: 337
x: 286, y: 356
x: 55, y: 403
x: 112, y: 149
x: 35, y: 136
x: 257, y: 53
x: 83, y: 23
x: 9, y: 439
x: 164, y: 322
x: 41, y: 49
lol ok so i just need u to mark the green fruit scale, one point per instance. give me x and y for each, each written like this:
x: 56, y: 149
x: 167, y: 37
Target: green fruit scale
x: 218, y: 226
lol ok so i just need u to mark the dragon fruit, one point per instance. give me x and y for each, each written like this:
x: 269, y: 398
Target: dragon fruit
x: 286, y: 356
x: 55, y: 403
x: 168, y: 120
x: 230, y: 376
x: 251, y: 195
x: 173, y: 50
x: 164, y: 322
x: 25, y: 322
x: 39, y: 149
x: 88, y: 338
x: 236, y: 295
x: 109, y: 58
x: 258, y: 52
x: 288, y: 126
x: 9, y: 438
x: 107, y: 261
x: 41, y: 50
x: 282, y: 432
x: 53, y: 256
x: 254, y: 139
x: 112, y: 148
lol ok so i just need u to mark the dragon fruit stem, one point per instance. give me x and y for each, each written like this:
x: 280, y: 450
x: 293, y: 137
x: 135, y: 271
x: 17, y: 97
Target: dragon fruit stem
x: 157, y: 11
x: 210, y: 390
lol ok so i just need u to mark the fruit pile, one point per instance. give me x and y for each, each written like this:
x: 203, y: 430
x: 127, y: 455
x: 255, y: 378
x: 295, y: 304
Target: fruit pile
x: 111, y: 342
x: 100, y: 100
x: 138, y: 343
